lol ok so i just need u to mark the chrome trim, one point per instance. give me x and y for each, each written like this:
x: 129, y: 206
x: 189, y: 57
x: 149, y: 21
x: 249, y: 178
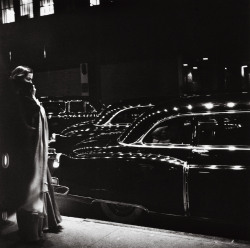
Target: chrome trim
x: 90, y: 200
x: 206, y: 148
x: 185, y: 189
x: 120, y: 203
x: 219, y: 167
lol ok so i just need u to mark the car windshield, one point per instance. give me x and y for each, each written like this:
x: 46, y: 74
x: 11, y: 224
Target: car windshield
x: 80, y: 107
x: 54, y: 107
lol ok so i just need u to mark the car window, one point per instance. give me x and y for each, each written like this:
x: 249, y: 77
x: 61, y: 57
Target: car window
x: 230, y: 129
x: 128, y: 115
x: 54, y: 107
x: 80, y: 107
x: 174, y: 131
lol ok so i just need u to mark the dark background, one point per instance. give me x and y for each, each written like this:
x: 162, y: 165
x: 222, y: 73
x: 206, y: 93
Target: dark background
x: 131, y: 48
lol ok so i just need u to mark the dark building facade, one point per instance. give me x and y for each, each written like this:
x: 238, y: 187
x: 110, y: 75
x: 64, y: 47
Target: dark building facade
x: 121, y: 49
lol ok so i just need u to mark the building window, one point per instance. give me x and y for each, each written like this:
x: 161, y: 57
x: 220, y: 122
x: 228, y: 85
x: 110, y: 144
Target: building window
x: 26, y: 8
x: 46, y: 7
x: 8, y: 13
x: 94, y: 2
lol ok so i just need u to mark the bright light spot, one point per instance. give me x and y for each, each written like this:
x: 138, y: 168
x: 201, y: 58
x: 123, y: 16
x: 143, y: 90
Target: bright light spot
x: 243, y: 70
x: 5, y: 160
x: 8, y: 15
x: 231, y: 104
x: 207, y: 146
x: 56, y: 164
x: 208, y: 105
x: 231, y: 148
x: 195, y: 67
x: 213, y: 167
x: 94, y: 2
x: 237, y: 167
x: 175, y: 108
x: 185, y: 65
x: 204, y: 58
x: 189, y: 107
x: 190, y: 77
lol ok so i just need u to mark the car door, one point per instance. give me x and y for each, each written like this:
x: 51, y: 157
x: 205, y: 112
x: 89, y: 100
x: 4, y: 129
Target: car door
x: 218, y: 179
x: 160, y: 162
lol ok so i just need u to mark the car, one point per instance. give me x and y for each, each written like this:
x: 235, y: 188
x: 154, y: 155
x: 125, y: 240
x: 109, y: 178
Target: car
x: 188, y: 158
x: 102, y: 131
x: 65, y: 111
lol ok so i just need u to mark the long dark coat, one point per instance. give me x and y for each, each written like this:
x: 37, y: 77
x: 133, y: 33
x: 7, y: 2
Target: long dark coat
x: 25, y: 181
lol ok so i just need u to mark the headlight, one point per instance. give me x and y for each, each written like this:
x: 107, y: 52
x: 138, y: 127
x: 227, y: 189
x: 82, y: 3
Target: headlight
x: 54, y: 160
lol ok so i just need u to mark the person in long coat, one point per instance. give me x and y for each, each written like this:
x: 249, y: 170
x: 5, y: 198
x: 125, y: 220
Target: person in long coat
x: 39, y: 211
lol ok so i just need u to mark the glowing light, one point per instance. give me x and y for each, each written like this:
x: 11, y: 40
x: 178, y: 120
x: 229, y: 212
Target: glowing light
x: 189, y: 106
x: 185, y: 65
x: 5, y: 160
x: 237, y: 167
x: 208, y: 105
x: 213, y: 167
x: 243, y: 70
x: 225, y: 68
x: 44, y: 52
x: 175, y: 108
x: 94, y: 2
x: 195, y: 67
x: 231, y: 148
x: 204, y: 58
x: 231, y: 104
x: 56, y: 164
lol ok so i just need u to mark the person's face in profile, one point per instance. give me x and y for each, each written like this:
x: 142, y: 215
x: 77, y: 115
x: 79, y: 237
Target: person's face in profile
x: 29, y: 78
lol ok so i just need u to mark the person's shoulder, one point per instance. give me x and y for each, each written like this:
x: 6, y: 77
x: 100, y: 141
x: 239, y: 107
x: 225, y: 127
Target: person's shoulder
x: 30, y: 103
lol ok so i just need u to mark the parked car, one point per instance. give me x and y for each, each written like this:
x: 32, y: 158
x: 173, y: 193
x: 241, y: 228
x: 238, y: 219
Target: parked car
x: 188, y: 158
x: 65, y: 111
x: 102, y: 131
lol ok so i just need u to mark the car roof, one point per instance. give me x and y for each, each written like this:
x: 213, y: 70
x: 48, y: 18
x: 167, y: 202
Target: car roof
x: 116, y: 107
x: 186, y: 105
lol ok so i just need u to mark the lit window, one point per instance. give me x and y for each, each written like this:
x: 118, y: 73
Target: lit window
x: 46, y: 7
x: 26, y: 8
x: 8, y: 13
x: 94, y: 2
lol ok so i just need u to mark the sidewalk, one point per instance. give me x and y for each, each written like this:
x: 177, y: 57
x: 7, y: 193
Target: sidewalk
x: 88, y: 233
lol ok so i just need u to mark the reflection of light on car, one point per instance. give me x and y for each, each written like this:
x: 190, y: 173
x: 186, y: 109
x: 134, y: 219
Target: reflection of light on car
x: 231, y: 104
x: 213, y: 167
x: 56, y: 160
x: 208, y: 105
x: 237, y: 167
x: 231, y: 148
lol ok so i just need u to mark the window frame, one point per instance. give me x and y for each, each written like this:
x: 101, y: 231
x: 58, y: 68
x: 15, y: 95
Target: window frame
x: 158, y: 123
x: 218, y: 146
x: 4, y: 11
